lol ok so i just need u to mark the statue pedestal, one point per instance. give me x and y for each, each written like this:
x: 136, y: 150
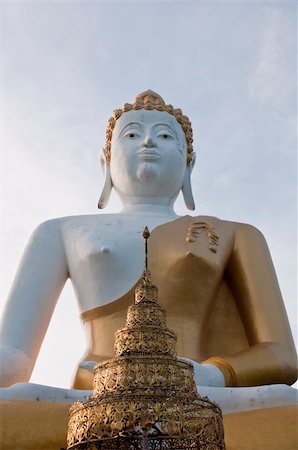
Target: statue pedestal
x: 262, y: 429
x: 43, y: 426
x: 33, y: 425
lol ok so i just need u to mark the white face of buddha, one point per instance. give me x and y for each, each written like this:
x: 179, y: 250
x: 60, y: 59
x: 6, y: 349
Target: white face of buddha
x: 148, y: 155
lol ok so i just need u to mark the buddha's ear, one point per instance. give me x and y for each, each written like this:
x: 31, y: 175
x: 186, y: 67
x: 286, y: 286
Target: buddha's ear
x: 102, y: 159
x: 108, y: 184
x: 186, y: 186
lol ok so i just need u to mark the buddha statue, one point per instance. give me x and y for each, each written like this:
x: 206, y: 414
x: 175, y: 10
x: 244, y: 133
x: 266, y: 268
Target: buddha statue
x: 215, y: 278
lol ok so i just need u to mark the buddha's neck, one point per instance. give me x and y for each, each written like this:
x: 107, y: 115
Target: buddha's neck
x: 149, y: 209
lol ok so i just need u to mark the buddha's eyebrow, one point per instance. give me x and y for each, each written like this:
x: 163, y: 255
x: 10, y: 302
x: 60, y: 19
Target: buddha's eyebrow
x: 130, y: 125
x: 166, y: 125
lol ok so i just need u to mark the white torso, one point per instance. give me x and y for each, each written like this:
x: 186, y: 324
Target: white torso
x: 105, y: 253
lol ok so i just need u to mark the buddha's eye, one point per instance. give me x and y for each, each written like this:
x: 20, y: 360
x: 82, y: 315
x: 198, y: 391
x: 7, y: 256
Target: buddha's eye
x: 131, y: 135
x: 165, y: 136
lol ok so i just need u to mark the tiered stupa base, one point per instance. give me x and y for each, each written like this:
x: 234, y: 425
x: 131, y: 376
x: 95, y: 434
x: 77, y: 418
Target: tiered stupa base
x: 145, y: 398
x: 188, y: 425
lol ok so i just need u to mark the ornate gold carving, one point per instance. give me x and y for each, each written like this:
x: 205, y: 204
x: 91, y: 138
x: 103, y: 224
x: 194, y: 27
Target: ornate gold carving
x: 150, y: 100
x: 149, y: 376
x: 143, y: 292
x: 196, y: 228
x: 147, y: 315
x: 151, y: 340
x: 188, y: 424
x: 145, y: 398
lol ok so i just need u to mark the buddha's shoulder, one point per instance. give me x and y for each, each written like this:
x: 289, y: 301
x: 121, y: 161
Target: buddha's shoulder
x: 68, y: 223
x: 80, y: 219
x: 238, y: 229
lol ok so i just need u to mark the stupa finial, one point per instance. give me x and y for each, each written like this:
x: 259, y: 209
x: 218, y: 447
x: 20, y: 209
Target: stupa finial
x: 145, y: 291
x: 146, y: 279
x: 146, y: 235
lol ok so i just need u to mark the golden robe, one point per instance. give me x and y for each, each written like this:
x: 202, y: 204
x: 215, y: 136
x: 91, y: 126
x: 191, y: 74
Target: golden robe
x: 218, y: 285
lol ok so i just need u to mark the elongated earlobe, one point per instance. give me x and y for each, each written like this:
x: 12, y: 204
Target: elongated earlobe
x: 186, y: 186
x: 108, y: 184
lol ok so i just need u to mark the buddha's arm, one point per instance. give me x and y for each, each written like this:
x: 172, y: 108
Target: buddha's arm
x: 271, y: 357
x: 40, y: 278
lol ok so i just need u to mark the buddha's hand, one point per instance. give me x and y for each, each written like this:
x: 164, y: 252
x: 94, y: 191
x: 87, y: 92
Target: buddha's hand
x: 207, y: 374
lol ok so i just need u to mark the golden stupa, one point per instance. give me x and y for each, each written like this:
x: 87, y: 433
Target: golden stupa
x: 145, y: 397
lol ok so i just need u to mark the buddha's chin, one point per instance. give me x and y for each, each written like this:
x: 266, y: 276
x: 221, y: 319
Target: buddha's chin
x: 148, y: 173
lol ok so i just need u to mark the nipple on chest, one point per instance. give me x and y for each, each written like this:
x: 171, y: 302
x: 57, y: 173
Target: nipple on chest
x: 99, y: 253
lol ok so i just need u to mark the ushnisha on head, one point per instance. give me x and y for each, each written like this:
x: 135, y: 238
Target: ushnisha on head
x: 148, y: 152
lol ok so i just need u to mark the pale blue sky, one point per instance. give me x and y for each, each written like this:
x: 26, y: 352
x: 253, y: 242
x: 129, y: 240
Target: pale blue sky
x: 230, y: 66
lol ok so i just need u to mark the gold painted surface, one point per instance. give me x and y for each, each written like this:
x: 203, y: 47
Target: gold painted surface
x: 31, y: 425
x: 225, y: 304
x: 262, y: 429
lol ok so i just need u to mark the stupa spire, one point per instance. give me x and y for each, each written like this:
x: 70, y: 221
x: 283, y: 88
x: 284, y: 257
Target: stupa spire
x: 145, y: 291
x: 146, y: 235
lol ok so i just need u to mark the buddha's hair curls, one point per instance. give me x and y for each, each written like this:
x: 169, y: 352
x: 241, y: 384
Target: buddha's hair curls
x: 150, y: 100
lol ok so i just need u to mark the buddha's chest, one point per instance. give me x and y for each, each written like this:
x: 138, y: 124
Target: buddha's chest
x: 189, y: 259
x: 105, y: 249
x: 107, y: 260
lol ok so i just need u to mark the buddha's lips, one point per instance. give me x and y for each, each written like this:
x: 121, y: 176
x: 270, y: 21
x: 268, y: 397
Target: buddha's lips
x: 148, y: 154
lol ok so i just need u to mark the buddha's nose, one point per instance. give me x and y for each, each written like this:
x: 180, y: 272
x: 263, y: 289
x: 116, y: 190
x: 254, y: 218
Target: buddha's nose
x: 148, y: 142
